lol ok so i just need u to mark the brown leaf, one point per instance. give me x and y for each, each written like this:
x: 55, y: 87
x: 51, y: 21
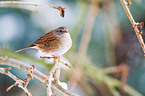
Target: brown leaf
x: 62, y: 11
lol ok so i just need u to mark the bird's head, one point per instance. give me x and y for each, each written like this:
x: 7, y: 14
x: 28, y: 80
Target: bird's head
x: 61, y: 30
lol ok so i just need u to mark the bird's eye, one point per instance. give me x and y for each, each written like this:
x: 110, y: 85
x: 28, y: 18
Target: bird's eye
x: 61, y: 31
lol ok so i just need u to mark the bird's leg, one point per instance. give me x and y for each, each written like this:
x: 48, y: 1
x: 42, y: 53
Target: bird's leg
x: 56, y: 57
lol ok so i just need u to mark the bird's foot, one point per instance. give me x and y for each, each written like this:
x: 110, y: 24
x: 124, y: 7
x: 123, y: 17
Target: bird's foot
x: 56, y: 57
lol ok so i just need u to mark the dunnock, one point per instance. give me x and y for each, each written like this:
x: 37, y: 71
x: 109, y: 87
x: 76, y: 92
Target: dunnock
x: 54, y: 43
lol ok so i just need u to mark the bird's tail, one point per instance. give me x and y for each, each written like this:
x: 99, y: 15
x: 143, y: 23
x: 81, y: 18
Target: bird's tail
x: 25, y: 48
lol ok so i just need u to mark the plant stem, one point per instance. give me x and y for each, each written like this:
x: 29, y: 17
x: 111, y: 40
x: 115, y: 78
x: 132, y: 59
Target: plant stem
x: 134, y: 24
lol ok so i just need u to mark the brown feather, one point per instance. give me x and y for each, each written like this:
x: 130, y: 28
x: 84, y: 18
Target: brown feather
x: 48, y: 42
x: 25, y: 48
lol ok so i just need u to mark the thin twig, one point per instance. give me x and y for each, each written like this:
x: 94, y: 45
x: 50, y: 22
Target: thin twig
x: 69, y: 66
x: 50, y: 75
x: 36, y: 73
x: 18, y: 81
x: 49, y: 92
x: 29, y: 75
x: 61, y: 10
x: 59, y: 61
x: 57, y: 73
x: 56, y: 67
x: 25, y: 3
x: 46, y: 57
x: 134, y: 24
x: 122, y: 69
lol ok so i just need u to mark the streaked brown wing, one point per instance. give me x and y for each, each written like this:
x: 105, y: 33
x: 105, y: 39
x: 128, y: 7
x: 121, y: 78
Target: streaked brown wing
x: 44, y: 38
x: 48, y: 42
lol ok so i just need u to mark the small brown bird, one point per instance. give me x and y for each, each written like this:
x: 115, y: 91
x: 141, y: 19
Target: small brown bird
x: 56, y: 42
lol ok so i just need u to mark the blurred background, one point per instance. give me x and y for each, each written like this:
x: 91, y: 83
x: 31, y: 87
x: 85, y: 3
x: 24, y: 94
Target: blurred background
x: 106, y: 56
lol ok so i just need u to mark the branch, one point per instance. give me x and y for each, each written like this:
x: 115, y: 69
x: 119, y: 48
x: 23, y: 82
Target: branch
x: 50, y: 75
x: 36, y: 73
x: 56, y: 68
x: 135, y: 25
x: 122, y: 69
x: 57, y: 73
x: 29, y: 75
x: 62, y: 11
x: 67, y: 65
x: 18, y: 81
x: 86, y: 37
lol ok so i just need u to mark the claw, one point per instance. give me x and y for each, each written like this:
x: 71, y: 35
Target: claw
x: 56, y: 57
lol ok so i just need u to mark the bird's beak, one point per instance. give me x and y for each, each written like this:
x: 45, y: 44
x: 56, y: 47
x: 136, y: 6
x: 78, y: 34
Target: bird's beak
x: 66, y: 31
